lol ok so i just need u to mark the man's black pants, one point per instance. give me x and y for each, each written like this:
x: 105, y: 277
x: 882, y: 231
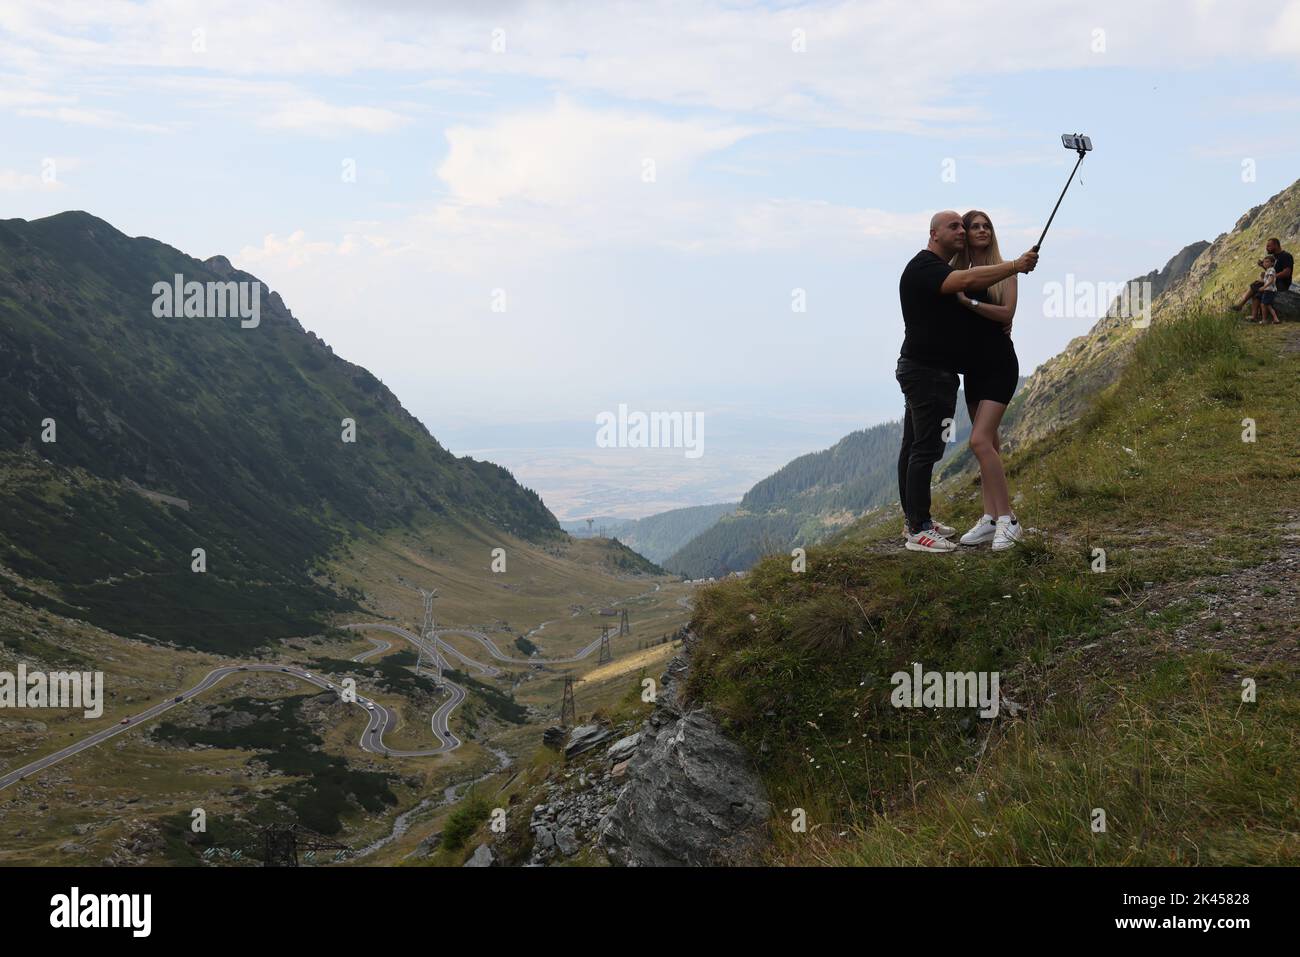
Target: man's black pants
x: 930, y: 398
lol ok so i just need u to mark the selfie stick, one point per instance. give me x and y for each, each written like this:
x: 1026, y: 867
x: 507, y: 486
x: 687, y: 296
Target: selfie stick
x: 1082, y: 151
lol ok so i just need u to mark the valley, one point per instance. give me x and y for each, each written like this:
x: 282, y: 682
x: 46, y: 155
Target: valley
x: 418, y: 743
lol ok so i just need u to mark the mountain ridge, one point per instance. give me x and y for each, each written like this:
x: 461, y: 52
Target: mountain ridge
x: 246, y: 425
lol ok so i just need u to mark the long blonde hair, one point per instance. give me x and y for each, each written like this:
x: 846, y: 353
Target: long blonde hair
x: 996, y: 292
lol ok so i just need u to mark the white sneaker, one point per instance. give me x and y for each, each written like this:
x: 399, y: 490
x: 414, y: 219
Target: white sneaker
x: 936, y: 526
x: 981, y: 532
x: 1007, y: 533
x: 929, y: 541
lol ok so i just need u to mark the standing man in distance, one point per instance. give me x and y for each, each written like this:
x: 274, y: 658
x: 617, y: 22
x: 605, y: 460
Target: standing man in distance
x: 935, y: 345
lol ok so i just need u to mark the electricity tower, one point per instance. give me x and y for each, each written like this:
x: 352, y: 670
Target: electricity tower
x: 623, y: 627
x: 281, y: 843
x: 428, y: 644
x: 589, y: 521
x: 568, y: 709
x: 606, y: 655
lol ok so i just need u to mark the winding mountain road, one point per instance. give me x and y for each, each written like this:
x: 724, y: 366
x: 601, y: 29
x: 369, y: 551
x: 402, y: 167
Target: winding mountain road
x: 379, y: 719
x: 478, y: 636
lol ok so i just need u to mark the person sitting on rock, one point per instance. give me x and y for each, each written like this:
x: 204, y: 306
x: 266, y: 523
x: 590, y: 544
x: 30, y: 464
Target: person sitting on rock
x: 1284, y: 263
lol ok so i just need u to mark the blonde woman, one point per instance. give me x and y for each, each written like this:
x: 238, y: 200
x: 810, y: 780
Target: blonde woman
x: 989, y: 380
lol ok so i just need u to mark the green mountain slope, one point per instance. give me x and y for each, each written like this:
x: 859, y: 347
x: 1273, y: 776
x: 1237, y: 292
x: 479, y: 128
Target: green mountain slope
x: 181, y: 433
x: 1211, y: 273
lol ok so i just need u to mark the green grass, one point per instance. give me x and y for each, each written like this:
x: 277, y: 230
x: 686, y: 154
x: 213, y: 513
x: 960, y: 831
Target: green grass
x: 1213, y: 781
x: 328, y: 790
x: 395, y: 674
x: 1120, y: 715
x: 500, y: 704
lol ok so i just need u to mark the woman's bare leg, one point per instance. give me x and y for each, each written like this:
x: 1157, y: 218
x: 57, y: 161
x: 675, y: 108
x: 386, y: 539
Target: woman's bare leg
x: 984, y: 443
x: 989, y: 504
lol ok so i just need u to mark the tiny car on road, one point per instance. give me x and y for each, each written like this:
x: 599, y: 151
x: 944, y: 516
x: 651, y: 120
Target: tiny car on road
x: 370, y: 705
x: 125, y: 721
x: 180, y: 697
x: 284, y: 669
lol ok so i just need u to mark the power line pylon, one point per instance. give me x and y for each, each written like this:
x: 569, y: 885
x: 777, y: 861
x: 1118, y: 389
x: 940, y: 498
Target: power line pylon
x: 623, y: 627
x: 568, y: 709
x: 428, y: 643
x: 606, y: 655
x: 280, y: 845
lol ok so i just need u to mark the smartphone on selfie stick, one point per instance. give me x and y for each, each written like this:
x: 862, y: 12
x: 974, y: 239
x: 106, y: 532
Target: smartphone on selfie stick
x: 1083, y: 146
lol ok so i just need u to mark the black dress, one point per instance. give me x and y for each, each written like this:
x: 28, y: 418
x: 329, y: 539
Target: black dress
x: 993, y: 369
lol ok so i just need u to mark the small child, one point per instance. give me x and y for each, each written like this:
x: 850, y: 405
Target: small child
x: 1268, y: 291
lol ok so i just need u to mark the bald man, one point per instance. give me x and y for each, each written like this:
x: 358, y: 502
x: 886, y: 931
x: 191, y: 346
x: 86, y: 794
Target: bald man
x: 935, y: 346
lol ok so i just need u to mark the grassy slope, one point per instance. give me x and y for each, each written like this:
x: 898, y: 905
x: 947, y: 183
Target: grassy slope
x: 1060, y: 389
x: 1131, y: 678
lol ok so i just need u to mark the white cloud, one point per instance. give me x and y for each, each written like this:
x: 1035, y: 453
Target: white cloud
x: 13, y: 181
x: 325, y: 119
x: 102, y: 119
x: 878, y: 65
x: 570, y: 154
x: 291, y: 252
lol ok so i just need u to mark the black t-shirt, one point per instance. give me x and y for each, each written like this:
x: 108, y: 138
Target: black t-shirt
x: 937, y: 326
x: 1283, y: 260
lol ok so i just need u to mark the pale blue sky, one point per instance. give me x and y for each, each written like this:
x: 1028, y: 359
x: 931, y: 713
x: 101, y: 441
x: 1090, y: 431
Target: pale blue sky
x: 522, y: 170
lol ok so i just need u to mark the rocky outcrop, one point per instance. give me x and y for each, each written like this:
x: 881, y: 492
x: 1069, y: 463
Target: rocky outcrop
x: 1063, y: 386
x: 1222, y: 273
x: 692, y: 798
x: 585, y: 737
x: 1213, y: 274
x: 482, y: 857
x: 1177, y: 267
x: 576, y: 803
x: 1287, y: 305
x: 623, y: 748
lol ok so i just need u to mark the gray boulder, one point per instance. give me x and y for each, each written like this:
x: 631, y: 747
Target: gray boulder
x: 482, y: 857
x: 566, y: 839
x: 622, y: 749
x: 691, y: 798
x: 1287, y: 305
x: 585, y: 737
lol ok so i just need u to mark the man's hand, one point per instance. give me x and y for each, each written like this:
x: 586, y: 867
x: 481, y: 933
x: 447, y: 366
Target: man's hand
x: 1027, y: 261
